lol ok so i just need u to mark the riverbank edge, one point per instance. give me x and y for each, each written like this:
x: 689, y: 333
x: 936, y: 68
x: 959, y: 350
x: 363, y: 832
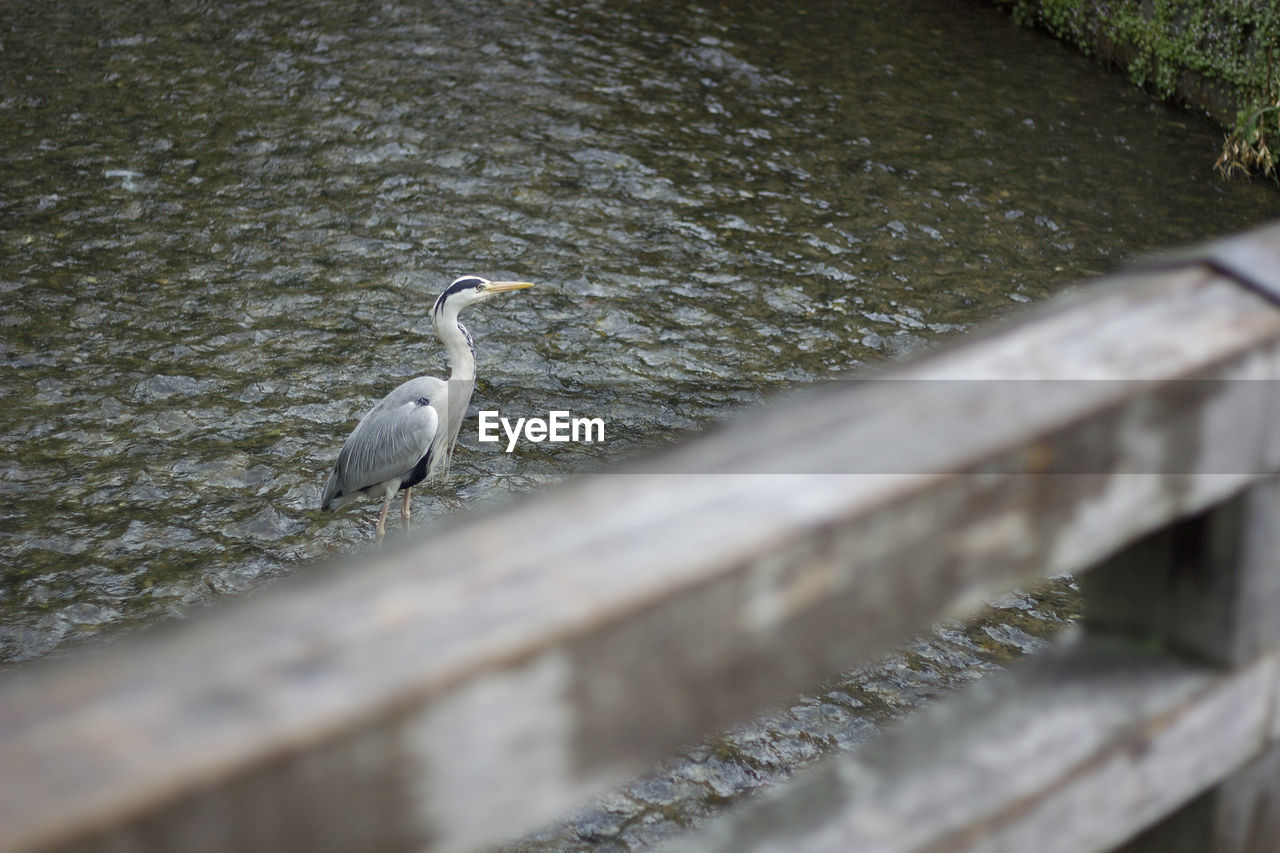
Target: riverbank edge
x: 1221, y: 59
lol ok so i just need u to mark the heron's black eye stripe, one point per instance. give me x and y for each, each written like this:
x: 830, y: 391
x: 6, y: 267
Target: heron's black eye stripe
x: 422, y: 401
x: 463, y: 284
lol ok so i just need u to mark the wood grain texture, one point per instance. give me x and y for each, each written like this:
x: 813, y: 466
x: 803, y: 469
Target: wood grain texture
x: 1242, y: 815
x: 1069, y: 752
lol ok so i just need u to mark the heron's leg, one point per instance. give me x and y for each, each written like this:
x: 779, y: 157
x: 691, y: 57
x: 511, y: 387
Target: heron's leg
x: 404, y: 510
x: 381, y: 529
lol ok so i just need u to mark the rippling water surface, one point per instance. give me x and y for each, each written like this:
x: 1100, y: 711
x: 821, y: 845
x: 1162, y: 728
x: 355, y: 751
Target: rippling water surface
x: 222, y: 226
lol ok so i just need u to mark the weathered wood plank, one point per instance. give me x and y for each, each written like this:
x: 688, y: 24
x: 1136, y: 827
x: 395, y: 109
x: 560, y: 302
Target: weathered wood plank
x: 546, y: 649
x: 1242, y: 815
x: 1071, y: 752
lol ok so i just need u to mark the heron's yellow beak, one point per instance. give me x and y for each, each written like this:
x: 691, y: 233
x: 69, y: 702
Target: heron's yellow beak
x: 504, y: 286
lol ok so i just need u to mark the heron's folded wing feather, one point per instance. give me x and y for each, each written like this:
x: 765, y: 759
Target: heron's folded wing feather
x: 387, y: 443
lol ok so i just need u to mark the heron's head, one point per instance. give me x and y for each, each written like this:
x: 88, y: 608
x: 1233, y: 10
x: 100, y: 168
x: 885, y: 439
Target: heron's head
x: 470, y: 289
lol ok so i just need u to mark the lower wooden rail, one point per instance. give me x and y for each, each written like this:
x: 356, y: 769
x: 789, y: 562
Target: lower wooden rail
x: 1077, y: 751
x: 495, y: 673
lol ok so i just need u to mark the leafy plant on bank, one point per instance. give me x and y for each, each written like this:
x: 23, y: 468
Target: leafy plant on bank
x: 1236, y: 43
x: 1246, y: 148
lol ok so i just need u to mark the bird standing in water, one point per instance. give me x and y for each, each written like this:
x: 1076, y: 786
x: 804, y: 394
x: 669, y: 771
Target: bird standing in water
x: 409, y: 436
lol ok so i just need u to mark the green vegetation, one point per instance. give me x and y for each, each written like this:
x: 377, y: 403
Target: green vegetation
x: 1168, y: 44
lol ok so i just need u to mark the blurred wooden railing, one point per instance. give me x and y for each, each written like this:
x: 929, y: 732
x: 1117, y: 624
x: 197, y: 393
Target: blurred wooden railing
x: 498, y: 670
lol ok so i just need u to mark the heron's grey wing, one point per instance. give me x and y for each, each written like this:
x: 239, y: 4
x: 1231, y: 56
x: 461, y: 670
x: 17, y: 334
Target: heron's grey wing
x: 387, y: 443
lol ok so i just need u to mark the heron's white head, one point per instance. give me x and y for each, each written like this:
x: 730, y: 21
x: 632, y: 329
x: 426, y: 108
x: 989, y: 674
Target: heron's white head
x: 468, y: 290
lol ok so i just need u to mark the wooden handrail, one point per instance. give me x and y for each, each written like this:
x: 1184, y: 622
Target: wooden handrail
x: 504, y: 667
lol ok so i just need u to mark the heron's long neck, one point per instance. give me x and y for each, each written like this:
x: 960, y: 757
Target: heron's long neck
x: 462, y: 377
x: 461, y: 349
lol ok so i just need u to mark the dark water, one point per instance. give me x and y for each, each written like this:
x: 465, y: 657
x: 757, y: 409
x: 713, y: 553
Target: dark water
x: 222, y: 225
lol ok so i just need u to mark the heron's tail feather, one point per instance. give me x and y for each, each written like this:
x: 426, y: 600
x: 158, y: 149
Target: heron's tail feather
x: 332, y: 497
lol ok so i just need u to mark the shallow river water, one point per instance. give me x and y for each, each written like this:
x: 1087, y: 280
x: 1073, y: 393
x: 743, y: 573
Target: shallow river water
x: 222, y: 226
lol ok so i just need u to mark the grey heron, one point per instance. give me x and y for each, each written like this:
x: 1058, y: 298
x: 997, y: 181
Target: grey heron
x: 410, y: 434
